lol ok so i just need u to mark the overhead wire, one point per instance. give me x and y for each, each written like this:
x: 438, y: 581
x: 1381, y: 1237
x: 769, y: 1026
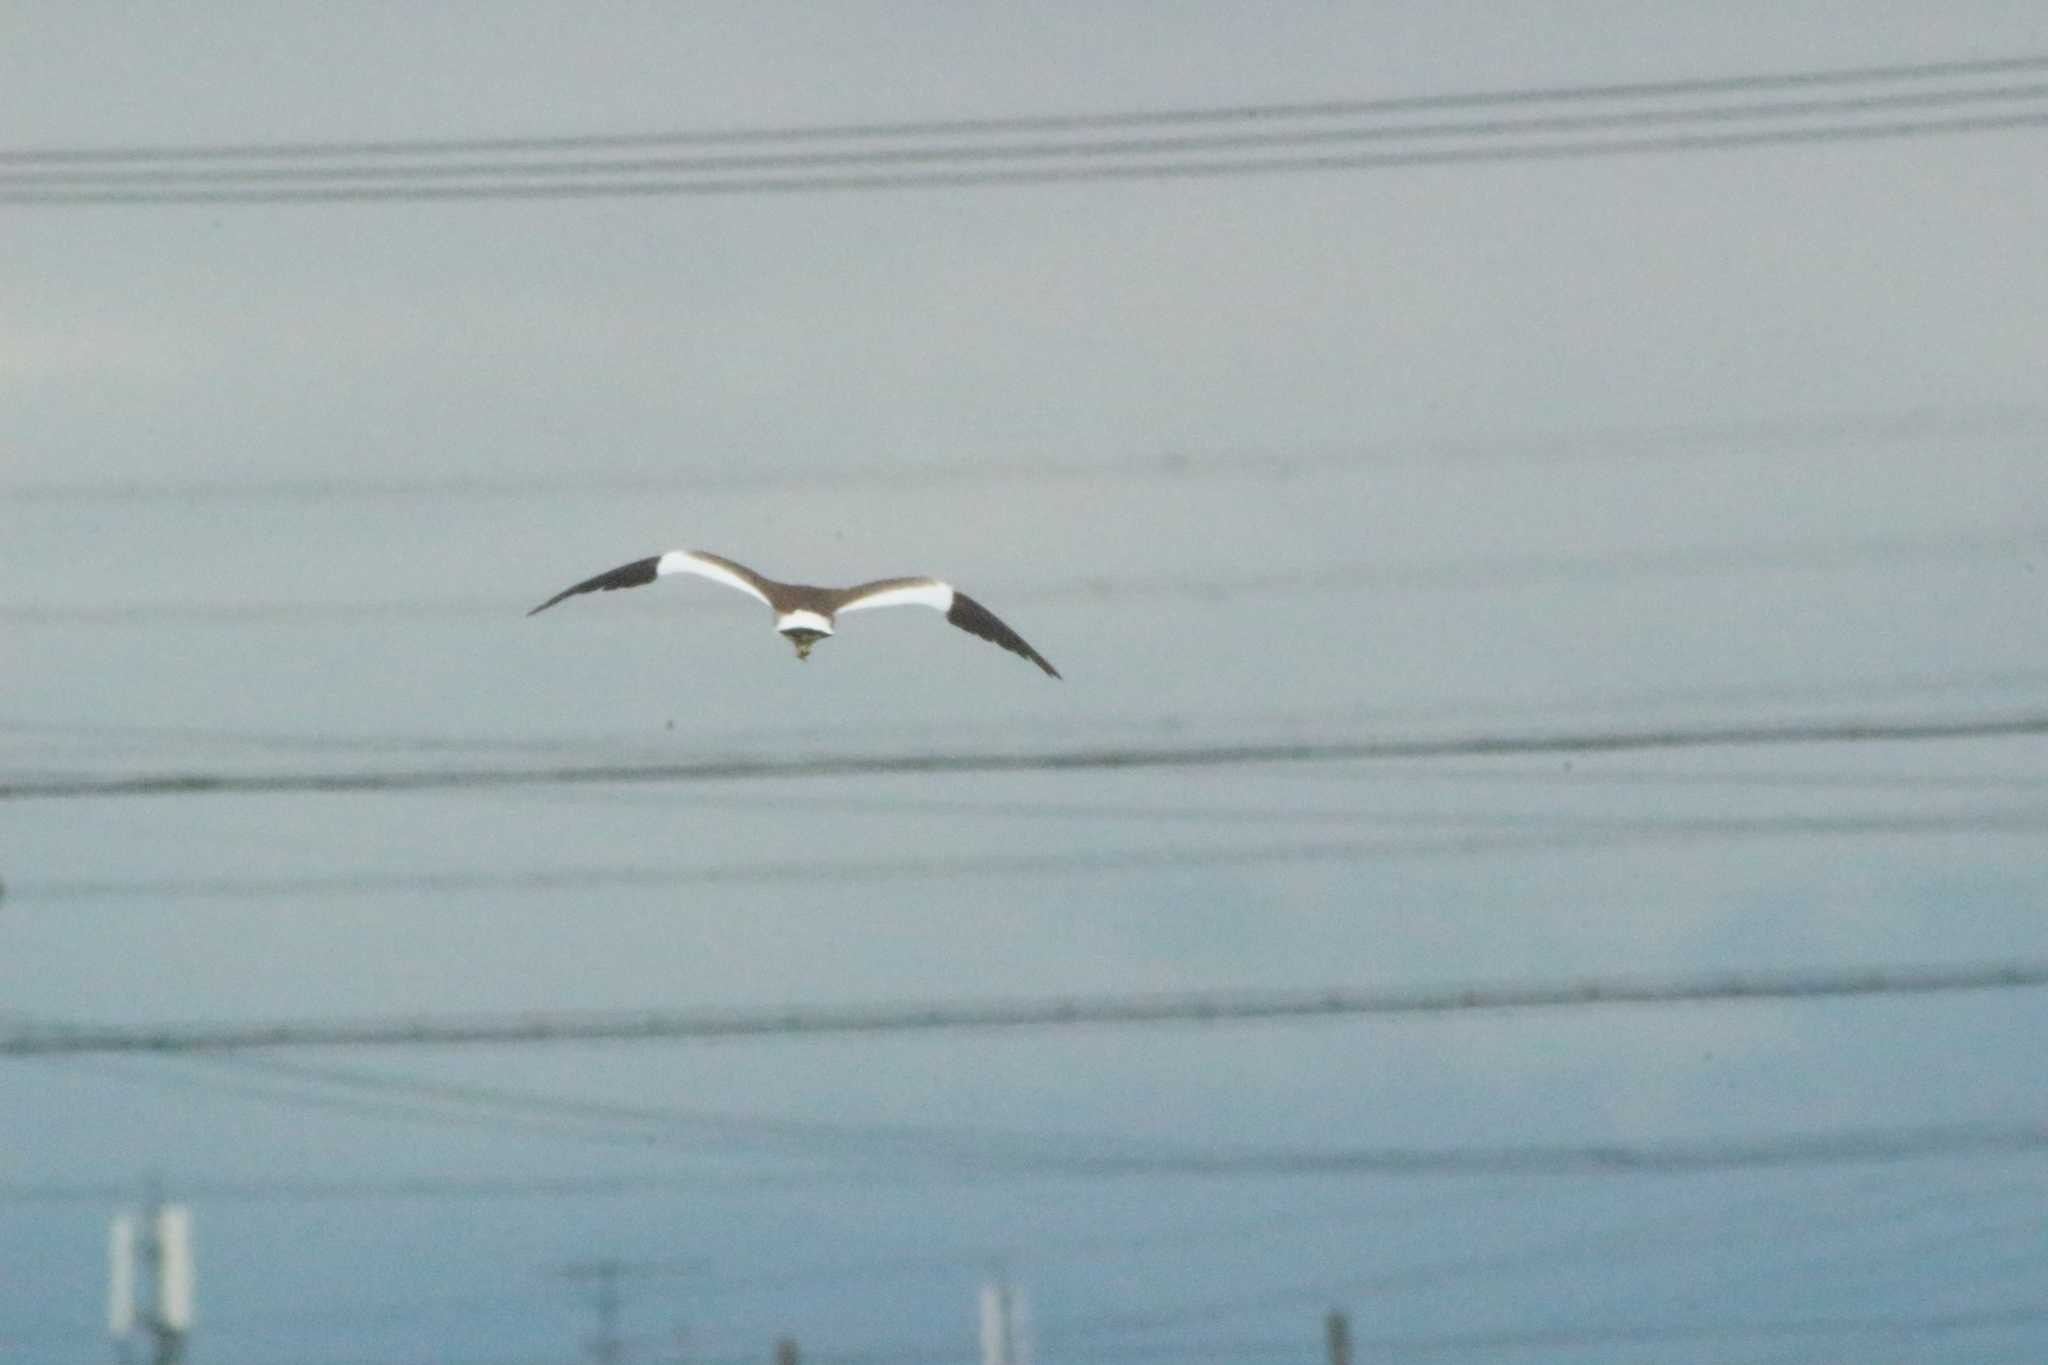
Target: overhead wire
x: 1162, y: 171
x: 1542, y: 1253
x: 1525, y: 830
x: 968, y: 1150
x: 491, y: 1100
x: 1606, y: 1332
x: 131, y: 738
x: 1489, y: 1263
x: 1841, y: 432
x: 1518, y: 1341
x: 1468, y: 836
x: 919, y: 1017
x: 435, y: 1188
x: 1582, y: 1335
x: 1917, y: 1250
x: 399, y: 1110
x: 1789, y: 779
x: 1538, y: 1254
x: 410, y: 1099
x: 1490, y: 1341
x: 1073, y: 1156
x: 1518, y: 571
x: 753, y: 1132
x: 158, y: 174
x: 1105, y: 758
x: 525, y: 1114
x: 966, y: 157
x: 1813, y: 78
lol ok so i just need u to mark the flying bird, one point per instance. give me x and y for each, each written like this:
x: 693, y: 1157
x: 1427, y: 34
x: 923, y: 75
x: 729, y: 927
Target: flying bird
x: 805, y: 614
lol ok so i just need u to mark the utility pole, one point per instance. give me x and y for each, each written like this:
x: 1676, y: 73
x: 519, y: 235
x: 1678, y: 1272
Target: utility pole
x: 604, y: 1279
x: 160, y: 1238
x: 1005, y: 1324
x: 1337, y: 1333
x: 602, y: 1275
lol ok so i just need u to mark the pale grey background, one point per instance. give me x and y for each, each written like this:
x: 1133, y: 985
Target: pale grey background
x: 1742, y: 435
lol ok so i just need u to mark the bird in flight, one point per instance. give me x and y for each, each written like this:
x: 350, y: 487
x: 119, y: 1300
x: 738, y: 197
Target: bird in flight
x: 805, y: 614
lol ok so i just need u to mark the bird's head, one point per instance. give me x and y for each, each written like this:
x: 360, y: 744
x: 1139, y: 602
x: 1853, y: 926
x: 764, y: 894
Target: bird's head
x: 803, y: 638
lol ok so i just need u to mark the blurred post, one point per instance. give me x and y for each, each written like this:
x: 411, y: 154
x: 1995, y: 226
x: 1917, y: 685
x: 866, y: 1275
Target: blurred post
x: 605, y: 1346
x: 1337, y: 1333
x: 1005, y: 1325
x: 157, y: 1242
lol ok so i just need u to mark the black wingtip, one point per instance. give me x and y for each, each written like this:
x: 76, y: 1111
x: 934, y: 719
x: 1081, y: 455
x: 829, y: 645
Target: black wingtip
x: 625, y: 576
x: 976, y: 619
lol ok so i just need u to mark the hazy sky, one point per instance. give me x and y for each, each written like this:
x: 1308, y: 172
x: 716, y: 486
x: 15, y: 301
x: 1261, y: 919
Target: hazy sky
x: 1740, y: 436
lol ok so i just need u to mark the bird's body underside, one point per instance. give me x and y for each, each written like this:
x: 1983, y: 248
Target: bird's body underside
x: 803, y: 629
x: 806, y: 614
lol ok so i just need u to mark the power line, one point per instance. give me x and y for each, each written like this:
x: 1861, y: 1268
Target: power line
x: 1094, y: 759
x: 1619, y: 1334
x: 530, y: 1114
x: 1545, y: 1252
x: 1844, y: 431
x: 1548, y: 1251
x: 1924, y: 1247
x: 1411, y: 1274
x: 1038, y: 123
x: 1483, y: 1342
x: 729, y: 186
x: 414, y: 1100
x: 1516, y: 570
x: 1093, y: 1330
x: 755, y: 1133
x: 352, y: 1191
x: 542, y: 1124
x: 487, y: 1109
x: 980, y: 1153
x: 1574, y: 831
x: 875, y: 1153
x: 976, y: 1153
x: 1071, y: 1156
x: 1490, y: 1341
x: 324, y: 171
x: 19, y: 731
x: 1505, y: 834
x: 1059, y: 1012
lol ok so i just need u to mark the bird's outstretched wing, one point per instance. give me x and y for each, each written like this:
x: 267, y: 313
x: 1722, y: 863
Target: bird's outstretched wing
x: 962, y: 610
x: 642, y: 571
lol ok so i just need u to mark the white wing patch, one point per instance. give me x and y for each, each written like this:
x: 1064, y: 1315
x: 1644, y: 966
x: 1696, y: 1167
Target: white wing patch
x: 685, y: 561
x: 933, y: 594
x: 803, y: 619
